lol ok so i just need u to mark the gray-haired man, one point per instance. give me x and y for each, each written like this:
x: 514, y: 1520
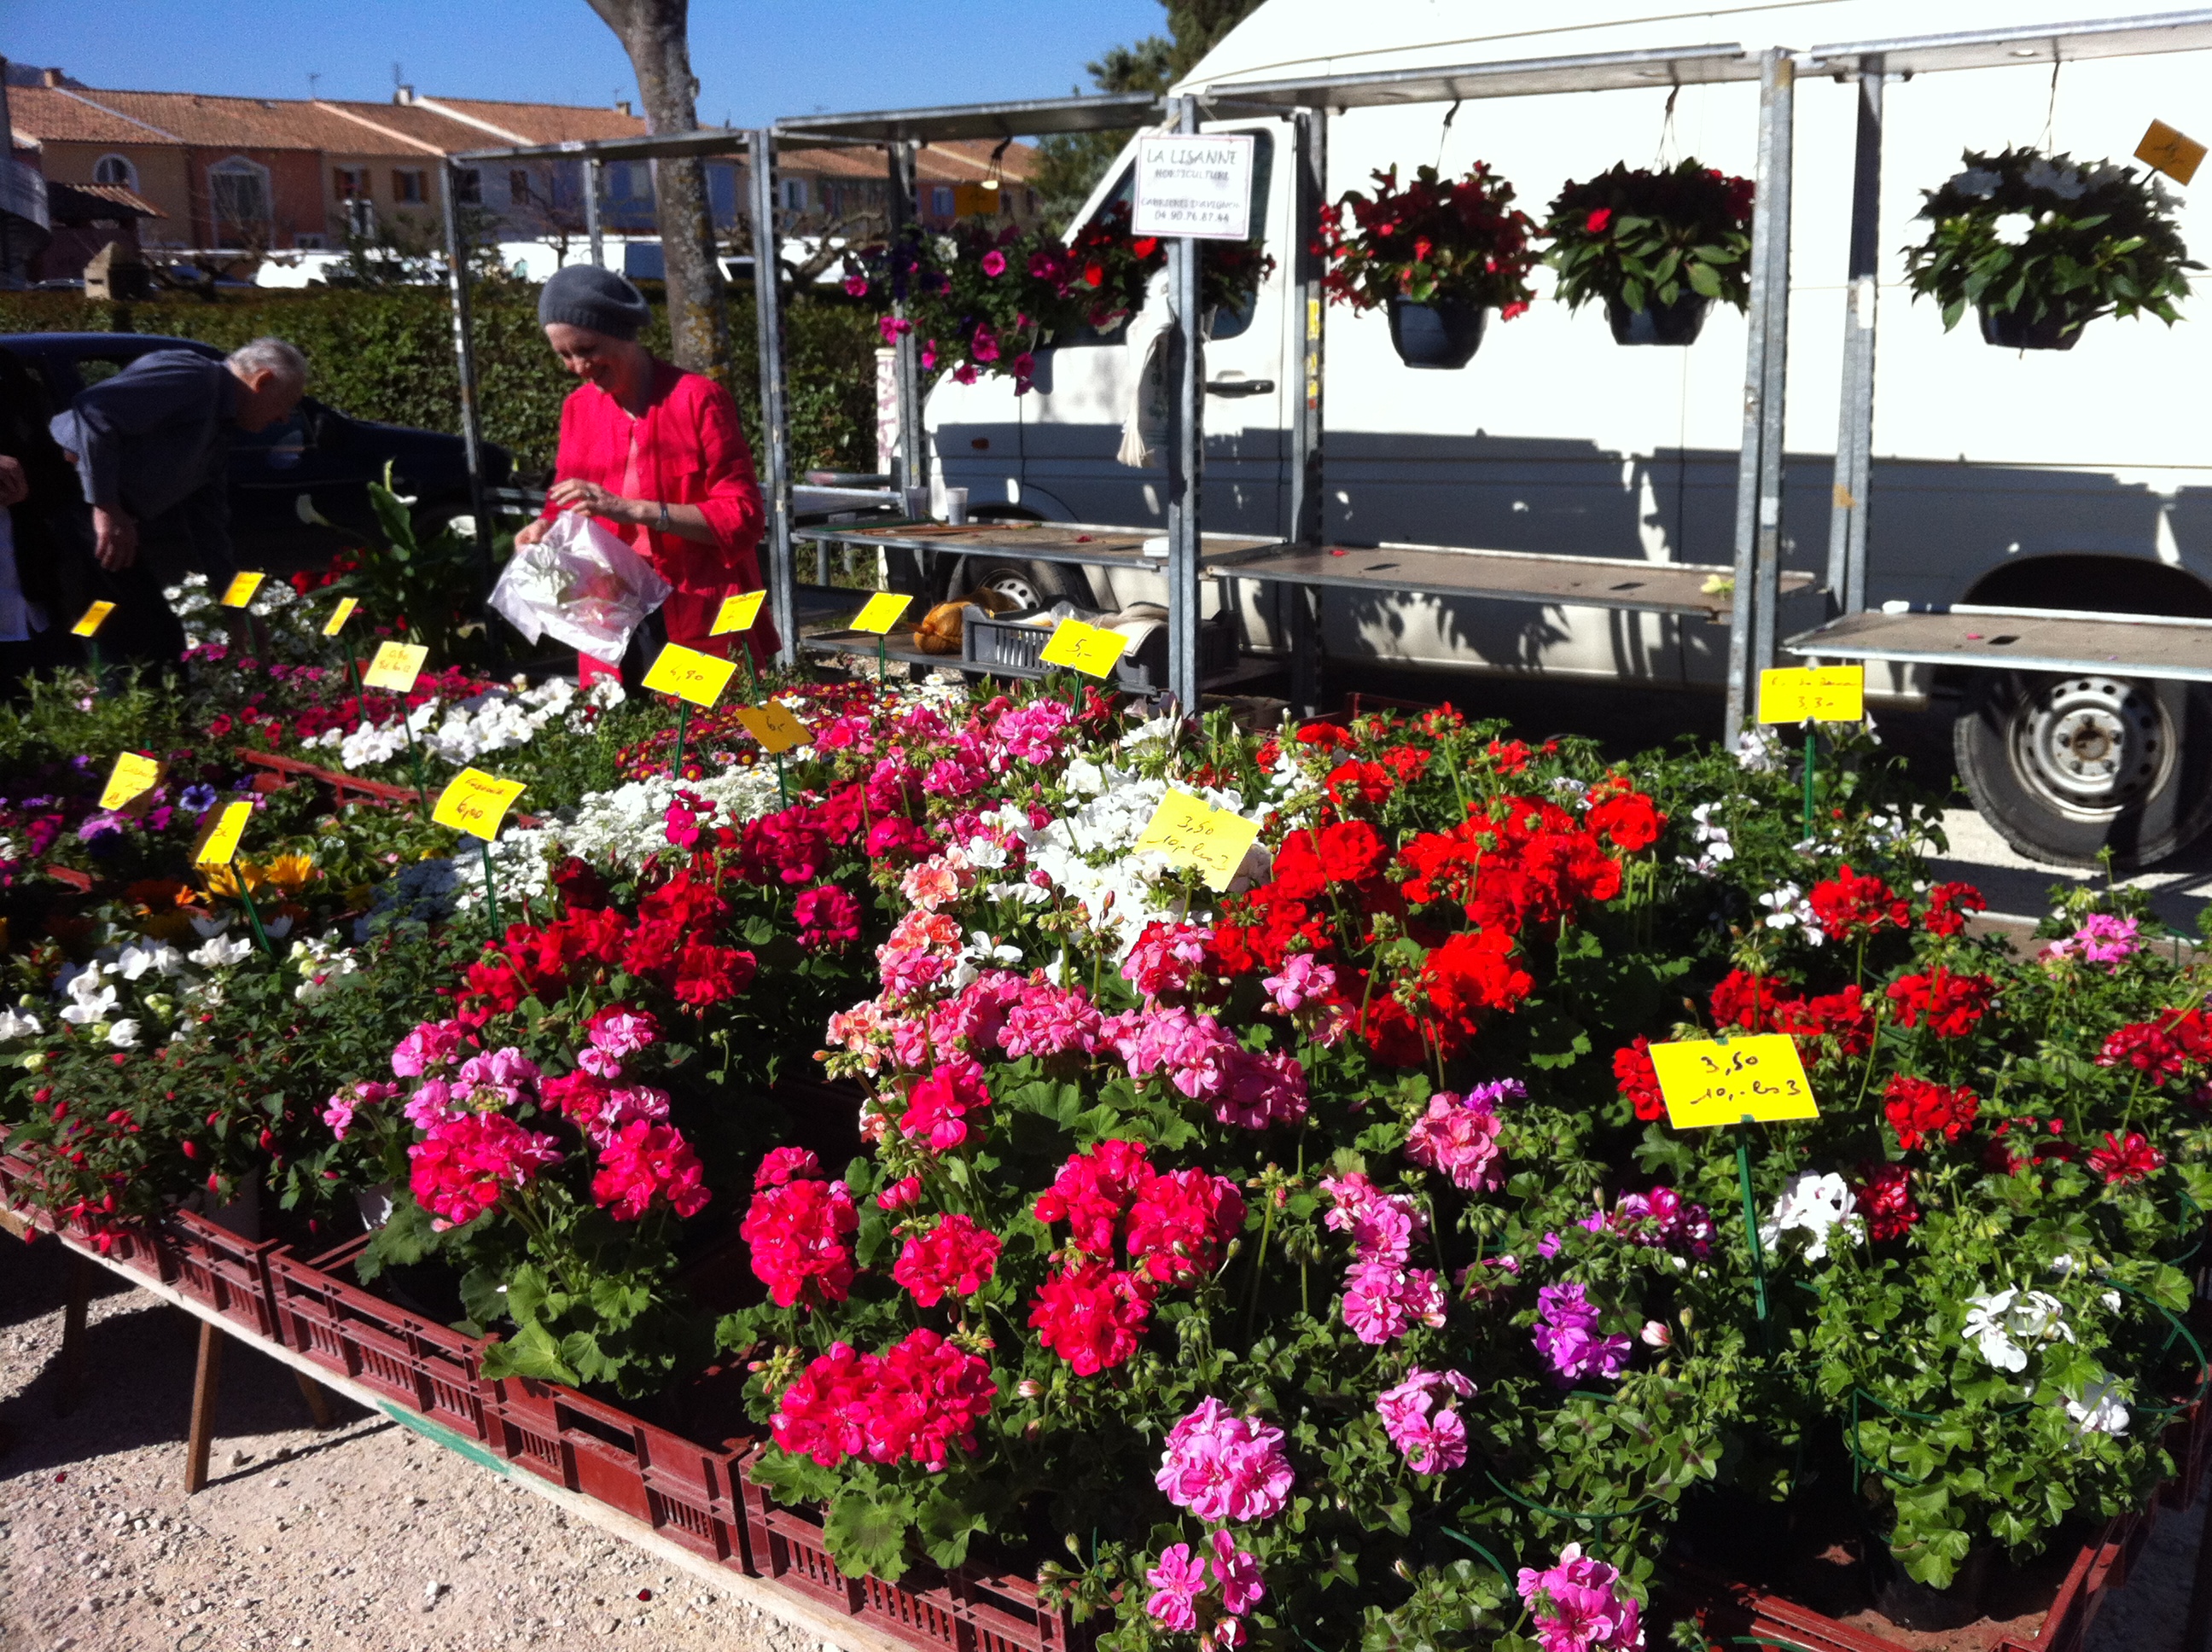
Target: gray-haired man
x: 150, y: 446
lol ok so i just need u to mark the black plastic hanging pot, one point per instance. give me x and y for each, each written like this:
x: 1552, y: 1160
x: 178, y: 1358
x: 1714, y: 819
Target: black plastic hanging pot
x: 1444, y: 334
x: 2011, y: 329
x: 1911, y: 1605
x: 1679, y: 323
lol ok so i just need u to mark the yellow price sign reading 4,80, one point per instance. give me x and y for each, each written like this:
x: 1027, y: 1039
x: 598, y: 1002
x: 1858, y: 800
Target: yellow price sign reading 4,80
x: 1822, y: 694
x: 1706, y: 1082
x: 1189, y: 831
x: 689, y: 675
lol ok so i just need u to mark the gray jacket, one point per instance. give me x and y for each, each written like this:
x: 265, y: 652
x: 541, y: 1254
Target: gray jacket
x: 155, y: 440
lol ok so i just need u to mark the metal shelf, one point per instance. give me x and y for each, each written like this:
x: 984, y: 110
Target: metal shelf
x: 1084, y: 545
x: 2021, y: 639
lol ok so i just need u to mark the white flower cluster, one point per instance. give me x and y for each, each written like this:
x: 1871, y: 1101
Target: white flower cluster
x: 1711, y: 840
x: 1087, y: 855
x: 1999, y: 1323
x: 199, y: 609
x: 1788, y: 908
x: 498, y: 720
x: 124, y: 985
x: 1816, y: 1205
x: 325, y: 967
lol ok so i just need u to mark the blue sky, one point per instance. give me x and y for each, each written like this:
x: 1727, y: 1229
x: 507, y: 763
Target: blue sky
x: 756, y: 61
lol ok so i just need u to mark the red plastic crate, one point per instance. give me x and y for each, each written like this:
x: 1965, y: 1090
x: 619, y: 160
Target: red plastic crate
x: 968, y: 1611
x: 229, y: 1274
x: 423, y: 1365
x: 684, y: 1490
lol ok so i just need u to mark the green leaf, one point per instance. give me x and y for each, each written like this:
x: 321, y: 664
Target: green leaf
x: 1703, y: 280
x: 482, y: 1296
x: 867, y: 1531
x: 945, y: 1525
x: 531, y: 1352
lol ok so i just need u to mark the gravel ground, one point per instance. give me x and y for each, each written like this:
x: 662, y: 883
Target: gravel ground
x: 364, y: 1537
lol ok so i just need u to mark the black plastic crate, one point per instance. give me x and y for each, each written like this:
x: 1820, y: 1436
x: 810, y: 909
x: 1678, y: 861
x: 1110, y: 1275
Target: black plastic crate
x: 1011, y: 644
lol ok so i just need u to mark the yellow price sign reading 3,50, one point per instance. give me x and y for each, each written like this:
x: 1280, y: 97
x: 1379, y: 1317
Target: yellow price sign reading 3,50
x: 219, y: 838
x: 882, y: 612
x: 689, y: 675
x: 1825, y: 694
x: 1092, y: 649
x: 241, y: 588
x: 396, y: 666
x: 1705, y: 1083
x: 773, y: 726
x: 1191, y: 832
x: 737, y: 613
x: 133, y: 776
x: 94, y: 619
x: 476, y: 803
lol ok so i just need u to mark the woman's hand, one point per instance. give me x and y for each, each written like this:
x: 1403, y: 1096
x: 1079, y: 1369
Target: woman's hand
x: 577, y: 495
x: 532, y: 531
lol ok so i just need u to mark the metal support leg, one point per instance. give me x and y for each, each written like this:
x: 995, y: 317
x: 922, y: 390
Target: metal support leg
x: 1847, y: 520
x: 593, y: 170
x: 775, y: 409
x: 913, y: 469
x: 457, y: 276
x: 207, y: 1378
x: 1759, y: 472
x: 77, y: 1288
x: 1307, y: 502
x: 1186, y: 453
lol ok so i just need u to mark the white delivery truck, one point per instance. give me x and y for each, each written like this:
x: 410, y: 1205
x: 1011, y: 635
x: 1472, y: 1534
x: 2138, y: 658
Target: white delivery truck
x: 2029, y: 482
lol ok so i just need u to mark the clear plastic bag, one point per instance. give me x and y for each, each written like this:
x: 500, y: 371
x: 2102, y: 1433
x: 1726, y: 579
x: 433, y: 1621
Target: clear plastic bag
x: 579, y: 585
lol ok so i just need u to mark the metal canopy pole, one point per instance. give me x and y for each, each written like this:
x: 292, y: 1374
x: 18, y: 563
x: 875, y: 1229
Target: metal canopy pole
x: 903, y: 209
x: 775, y: 412
x: 1186, y: 450
x: 1758, y: 471
x: 592, y: 168
x: 1308, y: 507
x: 1847, y: 522
x: 457, y: 276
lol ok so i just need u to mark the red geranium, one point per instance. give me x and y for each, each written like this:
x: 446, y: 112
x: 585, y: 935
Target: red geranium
x: 1920, y: 1111
x: 460, y: 1169
x: 1638, y: 1078
x: 1091, y: 1315
x: 1950, y: 1003
x: 1756, y: 1003
x: 955, y: 1258
x: 1849, y: 906
x: 1842, y: 1016
x: 2125, y: 1161
x: 1885, y: 1195
x: 1623, y: 814
x: 1181, y: 1224
x: 1947, y: 906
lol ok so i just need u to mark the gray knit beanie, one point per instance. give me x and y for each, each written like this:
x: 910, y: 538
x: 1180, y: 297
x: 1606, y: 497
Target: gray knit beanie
x: 585, y: 296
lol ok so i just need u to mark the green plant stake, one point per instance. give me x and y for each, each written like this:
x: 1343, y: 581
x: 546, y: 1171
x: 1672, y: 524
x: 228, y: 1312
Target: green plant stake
x: 415, y: 759
x: 1812, y: 754
x: 682, y: 724
x: 782, y: 785
x: 252, y: 912
x: 491, y: 890
x: 883, y: 663
x: 752, y: 676
x: 1751, y: 1219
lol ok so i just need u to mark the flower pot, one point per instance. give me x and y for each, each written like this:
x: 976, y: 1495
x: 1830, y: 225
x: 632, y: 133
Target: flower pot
x: 1911, y: 1605
x: 2011, y: 329
x: 374, y: 1205
x: 1442, y: 335
x: 1679, y: 323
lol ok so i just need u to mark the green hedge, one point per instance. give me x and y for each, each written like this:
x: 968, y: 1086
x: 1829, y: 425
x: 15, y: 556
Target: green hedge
x: 389, y: 355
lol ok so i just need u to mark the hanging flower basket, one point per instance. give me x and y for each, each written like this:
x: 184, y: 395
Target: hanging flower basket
x: 1658, y: 247
x: 2041, y: 247
x: 1439, y: 255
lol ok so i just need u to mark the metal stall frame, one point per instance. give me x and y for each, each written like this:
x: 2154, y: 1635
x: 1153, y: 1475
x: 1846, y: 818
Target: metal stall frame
x: 773, y: 457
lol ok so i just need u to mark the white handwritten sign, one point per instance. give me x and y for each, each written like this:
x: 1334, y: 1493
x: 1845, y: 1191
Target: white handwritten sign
x: 1188, y: 185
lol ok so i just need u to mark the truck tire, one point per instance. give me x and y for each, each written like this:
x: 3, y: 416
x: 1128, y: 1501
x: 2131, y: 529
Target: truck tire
x: 2065, y: 767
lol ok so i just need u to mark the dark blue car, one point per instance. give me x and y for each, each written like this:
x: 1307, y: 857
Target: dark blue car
x: 319, y: 452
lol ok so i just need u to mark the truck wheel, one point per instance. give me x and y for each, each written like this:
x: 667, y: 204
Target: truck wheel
x: 2065, y: 767
x: 1029, y: 585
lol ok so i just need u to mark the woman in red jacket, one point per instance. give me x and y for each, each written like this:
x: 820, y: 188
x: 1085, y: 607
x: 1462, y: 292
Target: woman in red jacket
x: 655, y: 454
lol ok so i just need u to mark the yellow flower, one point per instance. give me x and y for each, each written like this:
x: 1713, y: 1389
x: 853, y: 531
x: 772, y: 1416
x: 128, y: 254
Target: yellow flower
x: 291, y: 872
x: 223, y: 880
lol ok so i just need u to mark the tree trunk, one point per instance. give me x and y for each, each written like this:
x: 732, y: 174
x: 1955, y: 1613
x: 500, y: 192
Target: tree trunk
x: 654, y: 33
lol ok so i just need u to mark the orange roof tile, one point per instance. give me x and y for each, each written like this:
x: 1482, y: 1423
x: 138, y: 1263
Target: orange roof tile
x: 539, y: 123
x: 52, y: 116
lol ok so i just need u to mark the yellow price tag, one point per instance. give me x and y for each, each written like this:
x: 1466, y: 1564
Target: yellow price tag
x: 773, y: 726
x: 1705, y: 1083
x: 2173, y: 153
x: 339, y: 616
x: 737, y: 613
x: 475, y: 802
x: 396, y: 666
x: 689, y: 675
x: 1190, y: 832
x: 1826, y: 694
x: 1092, y: 649
x: 882, y: 612
x: 218, y: 842
x: 95, y: 618
x: 976, y: 200
x: 241, y: 588
x: 133, y: 776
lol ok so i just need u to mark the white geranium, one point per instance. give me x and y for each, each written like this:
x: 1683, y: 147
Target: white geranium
x: 1711, y: 840
x: 1754, y: 752
x: 18, y: 1023
x: 220, y: 952
x: 89, y: 999
x: 1816, y: 1203
x: 2101, y: 1410
x: 1788, y: 908
x: 123, y: 1035
x: 2004, y: 1325
x: 135, y: 960
x: 2012, y: 229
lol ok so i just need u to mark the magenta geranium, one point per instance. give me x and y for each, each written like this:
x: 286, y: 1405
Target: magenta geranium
x: 1223, y: 1467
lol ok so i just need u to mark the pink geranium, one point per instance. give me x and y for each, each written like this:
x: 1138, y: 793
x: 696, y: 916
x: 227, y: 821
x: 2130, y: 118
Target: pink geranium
x: 1458, y: 1136
x: 459, y: 1170
x: 1578, y: 1606
x: 620, y: 1031
x: 1223, y: 1467
x: 1417, y: 1415
x: 1176, y: 1582
x: 1383, y: 1300
x: 1238, y: 1574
